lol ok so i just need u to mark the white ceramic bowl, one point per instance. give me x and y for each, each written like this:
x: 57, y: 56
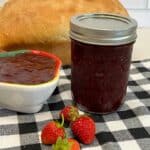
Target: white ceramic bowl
x: 28, y: 98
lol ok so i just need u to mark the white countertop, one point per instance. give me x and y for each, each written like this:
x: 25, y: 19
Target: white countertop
x: 142, y: 46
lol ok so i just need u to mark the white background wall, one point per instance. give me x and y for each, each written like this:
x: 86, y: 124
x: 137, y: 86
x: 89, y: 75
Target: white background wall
x: 140, y: 10
x: 2, y: 2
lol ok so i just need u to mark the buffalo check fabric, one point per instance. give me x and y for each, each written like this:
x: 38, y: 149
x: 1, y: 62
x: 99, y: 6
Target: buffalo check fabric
x: 126, y: 129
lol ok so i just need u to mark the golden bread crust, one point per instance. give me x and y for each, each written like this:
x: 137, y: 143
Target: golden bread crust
x: 44, y: 24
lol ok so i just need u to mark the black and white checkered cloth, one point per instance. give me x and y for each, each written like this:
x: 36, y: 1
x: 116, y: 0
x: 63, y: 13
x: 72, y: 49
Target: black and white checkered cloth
x: 126, y: 129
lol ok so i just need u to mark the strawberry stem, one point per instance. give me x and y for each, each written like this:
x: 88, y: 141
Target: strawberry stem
x: 62, y: 121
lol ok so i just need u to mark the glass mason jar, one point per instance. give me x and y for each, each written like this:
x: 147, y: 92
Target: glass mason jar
x: 101, y: 49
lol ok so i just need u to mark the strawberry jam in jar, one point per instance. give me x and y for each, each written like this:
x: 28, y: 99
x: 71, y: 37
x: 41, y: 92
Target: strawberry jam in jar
x: 101, y: 49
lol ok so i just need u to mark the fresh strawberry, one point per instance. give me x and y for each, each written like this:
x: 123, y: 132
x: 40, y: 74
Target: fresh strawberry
x: 84, y: 129
x: 52, y: 131
x: 66, y: 144
x: 74, y: 144
x: 70, y: 113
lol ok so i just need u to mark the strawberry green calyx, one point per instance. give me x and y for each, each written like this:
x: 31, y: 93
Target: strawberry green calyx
x: 70, y: 113
x: 62, y: 144
x: 74, y: 114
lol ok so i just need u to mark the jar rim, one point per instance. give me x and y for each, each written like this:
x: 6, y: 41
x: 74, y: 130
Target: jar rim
x: 103, y: 29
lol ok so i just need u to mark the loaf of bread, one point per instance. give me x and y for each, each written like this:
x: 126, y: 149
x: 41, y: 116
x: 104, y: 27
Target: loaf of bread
x: 44, y: 24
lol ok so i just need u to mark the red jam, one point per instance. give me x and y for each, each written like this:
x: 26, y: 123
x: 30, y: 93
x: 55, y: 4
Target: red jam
x: 27, y: 68
x: 100, y: 75
x: 101, y: 49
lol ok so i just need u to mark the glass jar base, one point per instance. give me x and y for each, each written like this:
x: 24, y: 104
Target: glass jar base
x: 84, y: 109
